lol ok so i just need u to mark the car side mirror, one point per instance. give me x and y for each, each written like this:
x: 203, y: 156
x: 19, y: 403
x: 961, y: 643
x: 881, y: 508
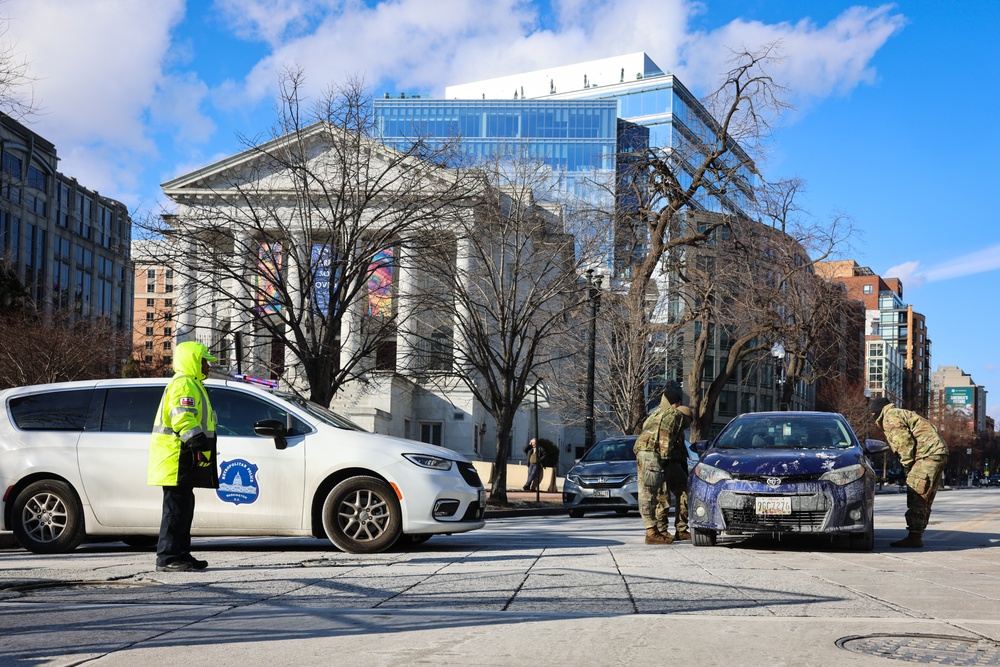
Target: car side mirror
x: 272, y: 428
x: 876, y: 446
x: 701, y: 446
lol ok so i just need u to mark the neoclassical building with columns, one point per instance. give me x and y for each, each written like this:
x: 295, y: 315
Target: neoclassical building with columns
x: 259, y: 237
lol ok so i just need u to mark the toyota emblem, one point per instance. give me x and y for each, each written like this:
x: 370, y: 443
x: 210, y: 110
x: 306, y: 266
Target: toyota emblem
x: 774, y: 482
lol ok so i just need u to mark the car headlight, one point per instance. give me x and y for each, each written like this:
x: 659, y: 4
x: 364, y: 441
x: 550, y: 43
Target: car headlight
x: 632, y: 479
x: 710, y: 474
x: 428, y: 461
x: 573, y: 478
x: 842, y: 476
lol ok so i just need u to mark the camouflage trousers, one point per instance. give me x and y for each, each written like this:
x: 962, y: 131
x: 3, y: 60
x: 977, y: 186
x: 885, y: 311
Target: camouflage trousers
x: 654, y: 502
x: 922, y: 483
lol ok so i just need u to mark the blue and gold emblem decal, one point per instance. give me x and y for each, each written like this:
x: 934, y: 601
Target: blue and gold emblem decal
x: 238, y: 482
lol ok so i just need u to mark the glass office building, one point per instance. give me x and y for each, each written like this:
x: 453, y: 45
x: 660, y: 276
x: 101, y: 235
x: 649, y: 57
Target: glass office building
x: 576, y: 138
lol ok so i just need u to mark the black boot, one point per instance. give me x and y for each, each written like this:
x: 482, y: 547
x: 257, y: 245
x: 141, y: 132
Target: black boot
x: 911, y: 541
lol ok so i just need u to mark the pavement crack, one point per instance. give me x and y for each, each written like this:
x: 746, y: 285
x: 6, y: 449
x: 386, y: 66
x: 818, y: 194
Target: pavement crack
x: 628, y: 589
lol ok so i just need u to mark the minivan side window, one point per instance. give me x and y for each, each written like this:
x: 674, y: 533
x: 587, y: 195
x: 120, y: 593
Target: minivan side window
x: 52, y: 410
x: 131, y: 409
x: 236, y: 412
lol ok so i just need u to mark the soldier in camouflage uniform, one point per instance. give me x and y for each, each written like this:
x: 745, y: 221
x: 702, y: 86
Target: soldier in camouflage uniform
x: 923, y: 455
x: 662, y: 465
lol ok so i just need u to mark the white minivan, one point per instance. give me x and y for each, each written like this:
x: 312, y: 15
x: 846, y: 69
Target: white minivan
x: 73, y: 460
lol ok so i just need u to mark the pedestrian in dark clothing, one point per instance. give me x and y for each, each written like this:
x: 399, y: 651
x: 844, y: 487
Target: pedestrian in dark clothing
x: 536, y: 459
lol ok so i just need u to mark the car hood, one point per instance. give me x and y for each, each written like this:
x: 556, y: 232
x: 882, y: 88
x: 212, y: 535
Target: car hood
x: 604, y: 468
x: 390, y: 443
x: 781, y: 462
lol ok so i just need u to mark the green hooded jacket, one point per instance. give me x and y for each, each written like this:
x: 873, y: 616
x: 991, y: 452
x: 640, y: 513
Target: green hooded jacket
x: 184, y: 413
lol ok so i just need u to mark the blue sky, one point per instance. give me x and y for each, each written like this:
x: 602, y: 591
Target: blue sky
x: 893, y: 125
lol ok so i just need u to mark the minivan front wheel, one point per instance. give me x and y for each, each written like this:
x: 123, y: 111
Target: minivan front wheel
x: 361, y: 515
x: 48, y: 518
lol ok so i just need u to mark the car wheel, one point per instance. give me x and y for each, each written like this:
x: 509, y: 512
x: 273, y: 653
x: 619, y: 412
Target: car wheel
x: 361, y: 515
x: 576, y: 514
x: 48, y: 518
x: 864, y: 541
x: 703, y: 538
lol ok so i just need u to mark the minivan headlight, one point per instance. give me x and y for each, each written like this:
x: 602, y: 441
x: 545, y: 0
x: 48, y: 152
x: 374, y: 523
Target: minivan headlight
x: 842, y: 476
x: 428, y: 461
x: 710, y: 474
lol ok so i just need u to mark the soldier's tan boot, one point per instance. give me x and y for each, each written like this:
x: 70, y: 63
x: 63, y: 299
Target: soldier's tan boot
x: 911, y: 541
x: 653, y: 536
x: 682, y: 535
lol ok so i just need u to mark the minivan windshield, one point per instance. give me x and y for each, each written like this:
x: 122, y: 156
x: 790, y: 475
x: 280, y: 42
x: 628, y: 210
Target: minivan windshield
x: 325, y: 415
x: 785, y: 431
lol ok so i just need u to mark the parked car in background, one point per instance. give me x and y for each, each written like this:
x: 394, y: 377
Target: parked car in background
x: 784, y: 472
x: 605, y: 479
x: 73, y: 460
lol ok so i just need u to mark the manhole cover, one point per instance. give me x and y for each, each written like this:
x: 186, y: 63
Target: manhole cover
x: 926, y: 649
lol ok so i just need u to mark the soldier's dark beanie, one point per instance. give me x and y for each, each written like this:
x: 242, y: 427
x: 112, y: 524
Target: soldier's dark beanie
x: 672, y: 394
x: 875, y: 409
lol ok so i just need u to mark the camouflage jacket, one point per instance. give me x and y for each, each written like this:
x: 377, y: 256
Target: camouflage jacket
x: 911, y: 436
x: 663, y: 433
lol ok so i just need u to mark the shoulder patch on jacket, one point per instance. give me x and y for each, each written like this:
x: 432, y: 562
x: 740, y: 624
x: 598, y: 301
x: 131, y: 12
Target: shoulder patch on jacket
x: 187, y: 402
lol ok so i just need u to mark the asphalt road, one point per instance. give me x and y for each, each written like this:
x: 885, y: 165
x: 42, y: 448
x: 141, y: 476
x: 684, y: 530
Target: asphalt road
x: 529, y: 590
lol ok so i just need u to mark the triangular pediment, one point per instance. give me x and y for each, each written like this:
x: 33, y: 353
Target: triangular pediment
x: 265, y: 167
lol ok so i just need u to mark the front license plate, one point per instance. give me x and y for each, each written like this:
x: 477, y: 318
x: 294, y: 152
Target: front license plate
x: 482, y: 497
x: 602, y: 493
x: 774, y: 506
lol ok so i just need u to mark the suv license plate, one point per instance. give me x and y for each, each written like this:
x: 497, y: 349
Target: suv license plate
x: 602, y: 493
x: 774, y: 506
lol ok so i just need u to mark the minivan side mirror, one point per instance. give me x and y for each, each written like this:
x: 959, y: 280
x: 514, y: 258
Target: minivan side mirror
x: 272, y: 428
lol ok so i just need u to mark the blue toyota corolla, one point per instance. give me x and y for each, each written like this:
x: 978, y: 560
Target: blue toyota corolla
x: 784, y: 472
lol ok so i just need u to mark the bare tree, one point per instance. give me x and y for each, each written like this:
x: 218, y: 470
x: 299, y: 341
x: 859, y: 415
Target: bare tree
x: 711, y: 164
x: 286, y: 243
x: 39, y: 348
x: 509, y: 273
x: 17, y: 97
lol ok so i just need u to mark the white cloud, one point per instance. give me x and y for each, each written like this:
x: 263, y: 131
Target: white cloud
x: 819, y: 61
x: 909, y: 272
x: 425, y: 46
x: 97, y: 71
x: 980, y: 261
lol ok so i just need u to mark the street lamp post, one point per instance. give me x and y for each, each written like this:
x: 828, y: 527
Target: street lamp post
x: 594, y: 297
x: 778, y: 352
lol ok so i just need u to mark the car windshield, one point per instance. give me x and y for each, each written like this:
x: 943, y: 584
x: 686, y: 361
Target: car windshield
x: 619, y: 449
x: 319, y: 412
x: 785, y: 431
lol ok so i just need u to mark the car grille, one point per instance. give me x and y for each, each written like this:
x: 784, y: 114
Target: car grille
x: 785, y: 479
x: 747, y: 519
x: 603, y: 501
x: 603, y: 481
x: 469, y: 474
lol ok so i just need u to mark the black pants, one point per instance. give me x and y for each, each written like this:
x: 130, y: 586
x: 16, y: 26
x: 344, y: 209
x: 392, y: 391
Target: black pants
x: 175, y: 525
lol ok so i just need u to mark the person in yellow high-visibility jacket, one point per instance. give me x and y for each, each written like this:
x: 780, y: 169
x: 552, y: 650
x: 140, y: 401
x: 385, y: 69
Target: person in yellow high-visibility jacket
x: 182, y: 455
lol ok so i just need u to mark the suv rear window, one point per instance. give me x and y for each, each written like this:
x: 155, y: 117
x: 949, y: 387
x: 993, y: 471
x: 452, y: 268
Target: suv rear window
x: 52, y: 410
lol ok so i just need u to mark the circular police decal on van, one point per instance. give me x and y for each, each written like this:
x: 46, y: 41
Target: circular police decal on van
x: 238, y: 482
